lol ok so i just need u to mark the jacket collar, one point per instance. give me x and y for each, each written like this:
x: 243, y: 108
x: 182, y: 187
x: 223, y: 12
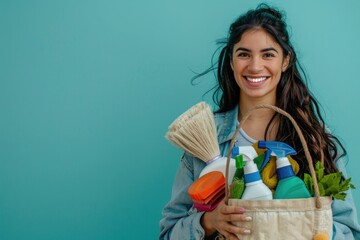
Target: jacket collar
x: 226, y: 124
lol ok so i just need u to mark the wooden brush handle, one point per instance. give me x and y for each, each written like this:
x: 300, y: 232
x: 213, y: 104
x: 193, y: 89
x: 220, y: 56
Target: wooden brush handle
x: 302, y: 139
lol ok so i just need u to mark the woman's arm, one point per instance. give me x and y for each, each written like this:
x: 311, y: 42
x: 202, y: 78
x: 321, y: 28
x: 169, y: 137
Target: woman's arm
x: 180, y: 220
x: 346, y: 226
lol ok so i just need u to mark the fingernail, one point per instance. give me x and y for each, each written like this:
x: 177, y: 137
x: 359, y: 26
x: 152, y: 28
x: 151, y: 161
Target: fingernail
x: 242, y: 209
x: 248, y: 219
x: 247, y: 231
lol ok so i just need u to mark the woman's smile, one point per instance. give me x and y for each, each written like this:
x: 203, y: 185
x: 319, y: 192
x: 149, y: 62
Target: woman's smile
x: 256, y: 79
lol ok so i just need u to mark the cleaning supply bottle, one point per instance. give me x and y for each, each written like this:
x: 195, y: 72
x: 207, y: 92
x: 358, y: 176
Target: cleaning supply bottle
x: 255, y: 189
x: 289, y: 185
x: 219, y: 164
x: 240, y: 164
x: 238, y: 184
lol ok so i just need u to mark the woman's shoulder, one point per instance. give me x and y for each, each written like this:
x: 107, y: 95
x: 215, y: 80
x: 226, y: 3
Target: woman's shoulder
x: 193, y: 164
x: 226, y: 123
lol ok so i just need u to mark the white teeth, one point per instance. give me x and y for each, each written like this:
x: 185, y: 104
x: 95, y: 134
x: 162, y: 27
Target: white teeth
x: 256, y: 79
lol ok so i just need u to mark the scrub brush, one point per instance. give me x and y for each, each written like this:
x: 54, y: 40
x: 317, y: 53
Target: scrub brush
x: 195, y: 132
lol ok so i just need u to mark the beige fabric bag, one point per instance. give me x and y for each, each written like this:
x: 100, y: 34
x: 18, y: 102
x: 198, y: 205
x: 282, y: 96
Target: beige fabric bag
x: 286, y: 219
x: 289, y: 218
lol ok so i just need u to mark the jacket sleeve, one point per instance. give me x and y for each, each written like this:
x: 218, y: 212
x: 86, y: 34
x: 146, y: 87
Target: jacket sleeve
x: 180, y: 220
x: 345, y: 222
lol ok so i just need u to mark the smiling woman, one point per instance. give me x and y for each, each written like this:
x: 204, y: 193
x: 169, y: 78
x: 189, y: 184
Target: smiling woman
x: 258, y: 65
x: 257, y: 61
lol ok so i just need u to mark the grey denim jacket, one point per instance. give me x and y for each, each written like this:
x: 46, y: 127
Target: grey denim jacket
x: 181, y: 221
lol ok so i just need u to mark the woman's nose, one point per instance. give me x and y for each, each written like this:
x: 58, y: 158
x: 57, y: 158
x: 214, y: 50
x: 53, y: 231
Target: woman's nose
x: 255, y: 64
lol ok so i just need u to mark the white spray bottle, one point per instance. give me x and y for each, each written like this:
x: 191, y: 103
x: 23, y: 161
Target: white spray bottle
x: 255, y: 189
x: 219, y: 164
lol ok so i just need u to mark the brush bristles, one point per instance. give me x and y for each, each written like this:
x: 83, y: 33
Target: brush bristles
x: 195, y: 132
x: 183, y: 118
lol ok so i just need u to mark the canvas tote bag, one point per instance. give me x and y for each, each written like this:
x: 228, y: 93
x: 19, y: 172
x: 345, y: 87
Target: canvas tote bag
x: 284, y: 219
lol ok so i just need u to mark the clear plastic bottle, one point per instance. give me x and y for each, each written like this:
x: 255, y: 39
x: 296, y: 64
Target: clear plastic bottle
x: 255, y: 189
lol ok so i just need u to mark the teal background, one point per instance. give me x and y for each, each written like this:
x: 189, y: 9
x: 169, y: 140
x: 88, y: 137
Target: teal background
x: 88, y: 89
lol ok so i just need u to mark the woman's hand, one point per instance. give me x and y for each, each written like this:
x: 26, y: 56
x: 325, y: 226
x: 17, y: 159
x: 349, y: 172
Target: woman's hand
x: 220, y: 220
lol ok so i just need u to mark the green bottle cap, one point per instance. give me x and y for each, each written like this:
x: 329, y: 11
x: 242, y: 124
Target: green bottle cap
x: 239, y: 161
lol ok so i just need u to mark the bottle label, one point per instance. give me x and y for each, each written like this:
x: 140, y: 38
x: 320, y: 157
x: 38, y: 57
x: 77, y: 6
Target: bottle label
x: 285, y: 172
x: 252, y: 177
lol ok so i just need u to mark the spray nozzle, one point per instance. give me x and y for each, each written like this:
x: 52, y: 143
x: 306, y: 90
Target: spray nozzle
x: 248, y: 152
x: 280, y: 149
x: 267, y: 156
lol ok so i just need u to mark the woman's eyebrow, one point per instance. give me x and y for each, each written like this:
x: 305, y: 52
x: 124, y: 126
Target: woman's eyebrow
x: 268, y: 49
x: 242, y: 49
x: 262, y: 50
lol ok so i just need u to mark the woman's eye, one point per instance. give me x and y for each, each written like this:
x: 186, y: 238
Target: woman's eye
x: 269, y: 55
x: 243, y: 54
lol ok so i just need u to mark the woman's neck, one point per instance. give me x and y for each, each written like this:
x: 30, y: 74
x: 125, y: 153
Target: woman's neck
x: 246, y: 104
x: 256, y: 124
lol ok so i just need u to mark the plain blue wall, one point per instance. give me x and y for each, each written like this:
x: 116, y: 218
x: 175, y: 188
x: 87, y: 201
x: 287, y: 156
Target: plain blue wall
x: 88, y: 89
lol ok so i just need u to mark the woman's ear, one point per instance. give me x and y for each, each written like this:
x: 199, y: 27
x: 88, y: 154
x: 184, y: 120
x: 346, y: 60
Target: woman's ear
x: 231, y: 64
x: 286, y: 63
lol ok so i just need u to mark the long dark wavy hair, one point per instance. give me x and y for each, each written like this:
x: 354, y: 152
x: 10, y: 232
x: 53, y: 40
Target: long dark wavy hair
x: 292, y: 94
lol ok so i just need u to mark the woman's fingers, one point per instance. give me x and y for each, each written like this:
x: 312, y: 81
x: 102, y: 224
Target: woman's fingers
x: 237, y: 218
x: 223, y: 217
x: 225, y: 209
x: 230, y: 231
x: 235, y: 214
x: 237, y: 230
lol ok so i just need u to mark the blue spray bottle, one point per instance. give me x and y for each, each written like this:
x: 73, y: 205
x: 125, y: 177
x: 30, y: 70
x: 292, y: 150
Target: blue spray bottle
x: 289, y: 186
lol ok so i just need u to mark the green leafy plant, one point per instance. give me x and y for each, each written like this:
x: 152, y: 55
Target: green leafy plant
x: 329, y: 184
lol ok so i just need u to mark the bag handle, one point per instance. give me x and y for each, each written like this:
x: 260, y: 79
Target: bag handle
x: 302, y: 140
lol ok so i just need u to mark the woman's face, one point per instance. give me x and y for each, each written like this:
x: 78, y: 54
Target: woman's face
x: 257, y: 62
